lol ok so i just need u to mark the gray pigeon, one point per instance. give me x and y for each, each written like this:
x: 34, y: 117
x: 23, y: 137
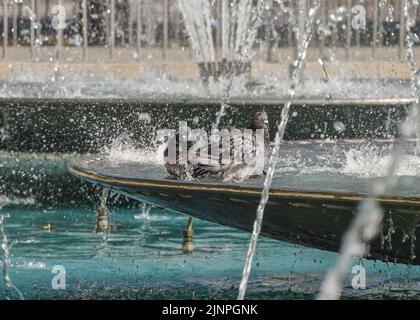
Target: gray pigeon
x: 222, y: 163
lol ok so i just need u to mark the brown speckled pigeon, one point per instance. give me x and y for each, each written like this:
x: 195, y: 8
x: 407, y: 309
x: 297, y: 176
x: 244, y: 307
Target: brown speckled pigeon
x: 221, y: 163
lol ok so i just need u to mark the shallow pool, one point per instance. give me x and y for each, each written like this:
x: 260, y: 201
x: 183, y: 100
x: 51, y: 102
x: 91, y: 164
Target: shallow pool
x: 142, y: 259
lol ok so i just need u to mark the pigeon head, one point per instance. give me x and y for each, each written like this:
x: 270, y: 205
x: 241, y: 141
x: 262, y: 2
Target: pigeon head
x: 259, y: 121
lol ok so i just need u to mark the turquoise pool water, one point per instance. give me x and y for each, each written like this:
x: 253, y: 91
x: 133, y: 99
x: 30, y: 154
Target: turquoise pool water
x: 142, y: 259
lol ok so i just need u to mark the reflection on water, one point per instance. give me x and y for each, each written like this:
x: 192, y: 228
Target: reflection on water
x: 145, y: 260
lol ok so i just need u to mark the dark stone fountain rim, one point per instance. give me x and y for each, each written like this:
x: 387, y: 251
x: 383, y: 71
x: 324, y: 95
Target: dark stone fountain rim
x: 211, y: 101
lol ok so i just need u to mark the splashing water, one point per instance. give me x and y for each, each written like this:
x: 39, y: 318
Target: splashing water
x: 197, y: 16
x: 367, y: 223
x: 104, y: 247
x: 145, y: 212
x: 411, y: 40
x: 374, y: 162
x: 324, y: 70
x: 103, y: 198
x: 365, y: 161
x: 298, y: 65
x: 37, y: 26
x: 32, y: 16
x: 5, y: 263
x: 363, y: 229
x: 10, y: 200
x: 153, y: 84
x: 238, y: 34
x: 123, y: 149
x: 241, y: 53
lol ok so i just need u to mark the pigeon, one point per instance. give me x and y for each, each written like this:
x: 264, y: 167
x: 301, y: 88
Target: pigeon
x: 223, y: 163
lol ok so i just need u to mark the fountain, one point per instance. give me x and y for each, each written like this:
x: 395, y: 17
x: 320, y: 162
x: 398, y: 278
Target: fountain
x: 306, y: 38
x: 367, y: 223
x: 238, y: 29
x: 5, y: 262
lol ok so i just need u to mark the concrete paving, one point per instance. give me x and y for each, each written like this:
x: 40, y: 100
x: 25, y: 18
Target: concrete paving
x: 357, y: 63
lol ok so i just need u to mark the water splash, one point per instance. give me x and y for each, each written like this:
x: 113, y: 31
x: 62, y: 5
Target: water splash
x: 123, y: 148
x: 364, y: 228
x: 6, y: 261
x: 153, y: 84
x: 27, y: 11
x: 324, y: 70
x: 390, y: 232
x: 296, y: 76
x: 242, y: 52
x: 413, y: 239
x: 374, y: 162
x: 103, y: 199
x: 145, y: 213
x: 104, y: 247
x: 367, y: 223
x: 32, y: 16
x: 411, y: 40
x: 14, y: 201
x: 365, y: 160
x: 198, y: 20
x: 238, y: 34
x: 33, y: 265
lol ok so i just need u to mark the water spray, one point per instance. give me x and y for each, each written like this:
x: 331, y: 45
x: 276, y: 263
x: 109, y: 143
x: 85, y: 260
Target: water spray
x: 102, y: 213
x: 324, y: 70
x: 187, y: 245
x: 368, y: 221
x: 6, y: 261
x: 241, y: 53
x: 296, y: 76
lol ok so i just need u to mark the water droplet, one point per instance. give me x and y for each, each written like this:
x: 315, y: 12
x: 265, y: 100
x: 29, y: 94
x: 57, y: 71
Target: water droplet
x: 339, y: 126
